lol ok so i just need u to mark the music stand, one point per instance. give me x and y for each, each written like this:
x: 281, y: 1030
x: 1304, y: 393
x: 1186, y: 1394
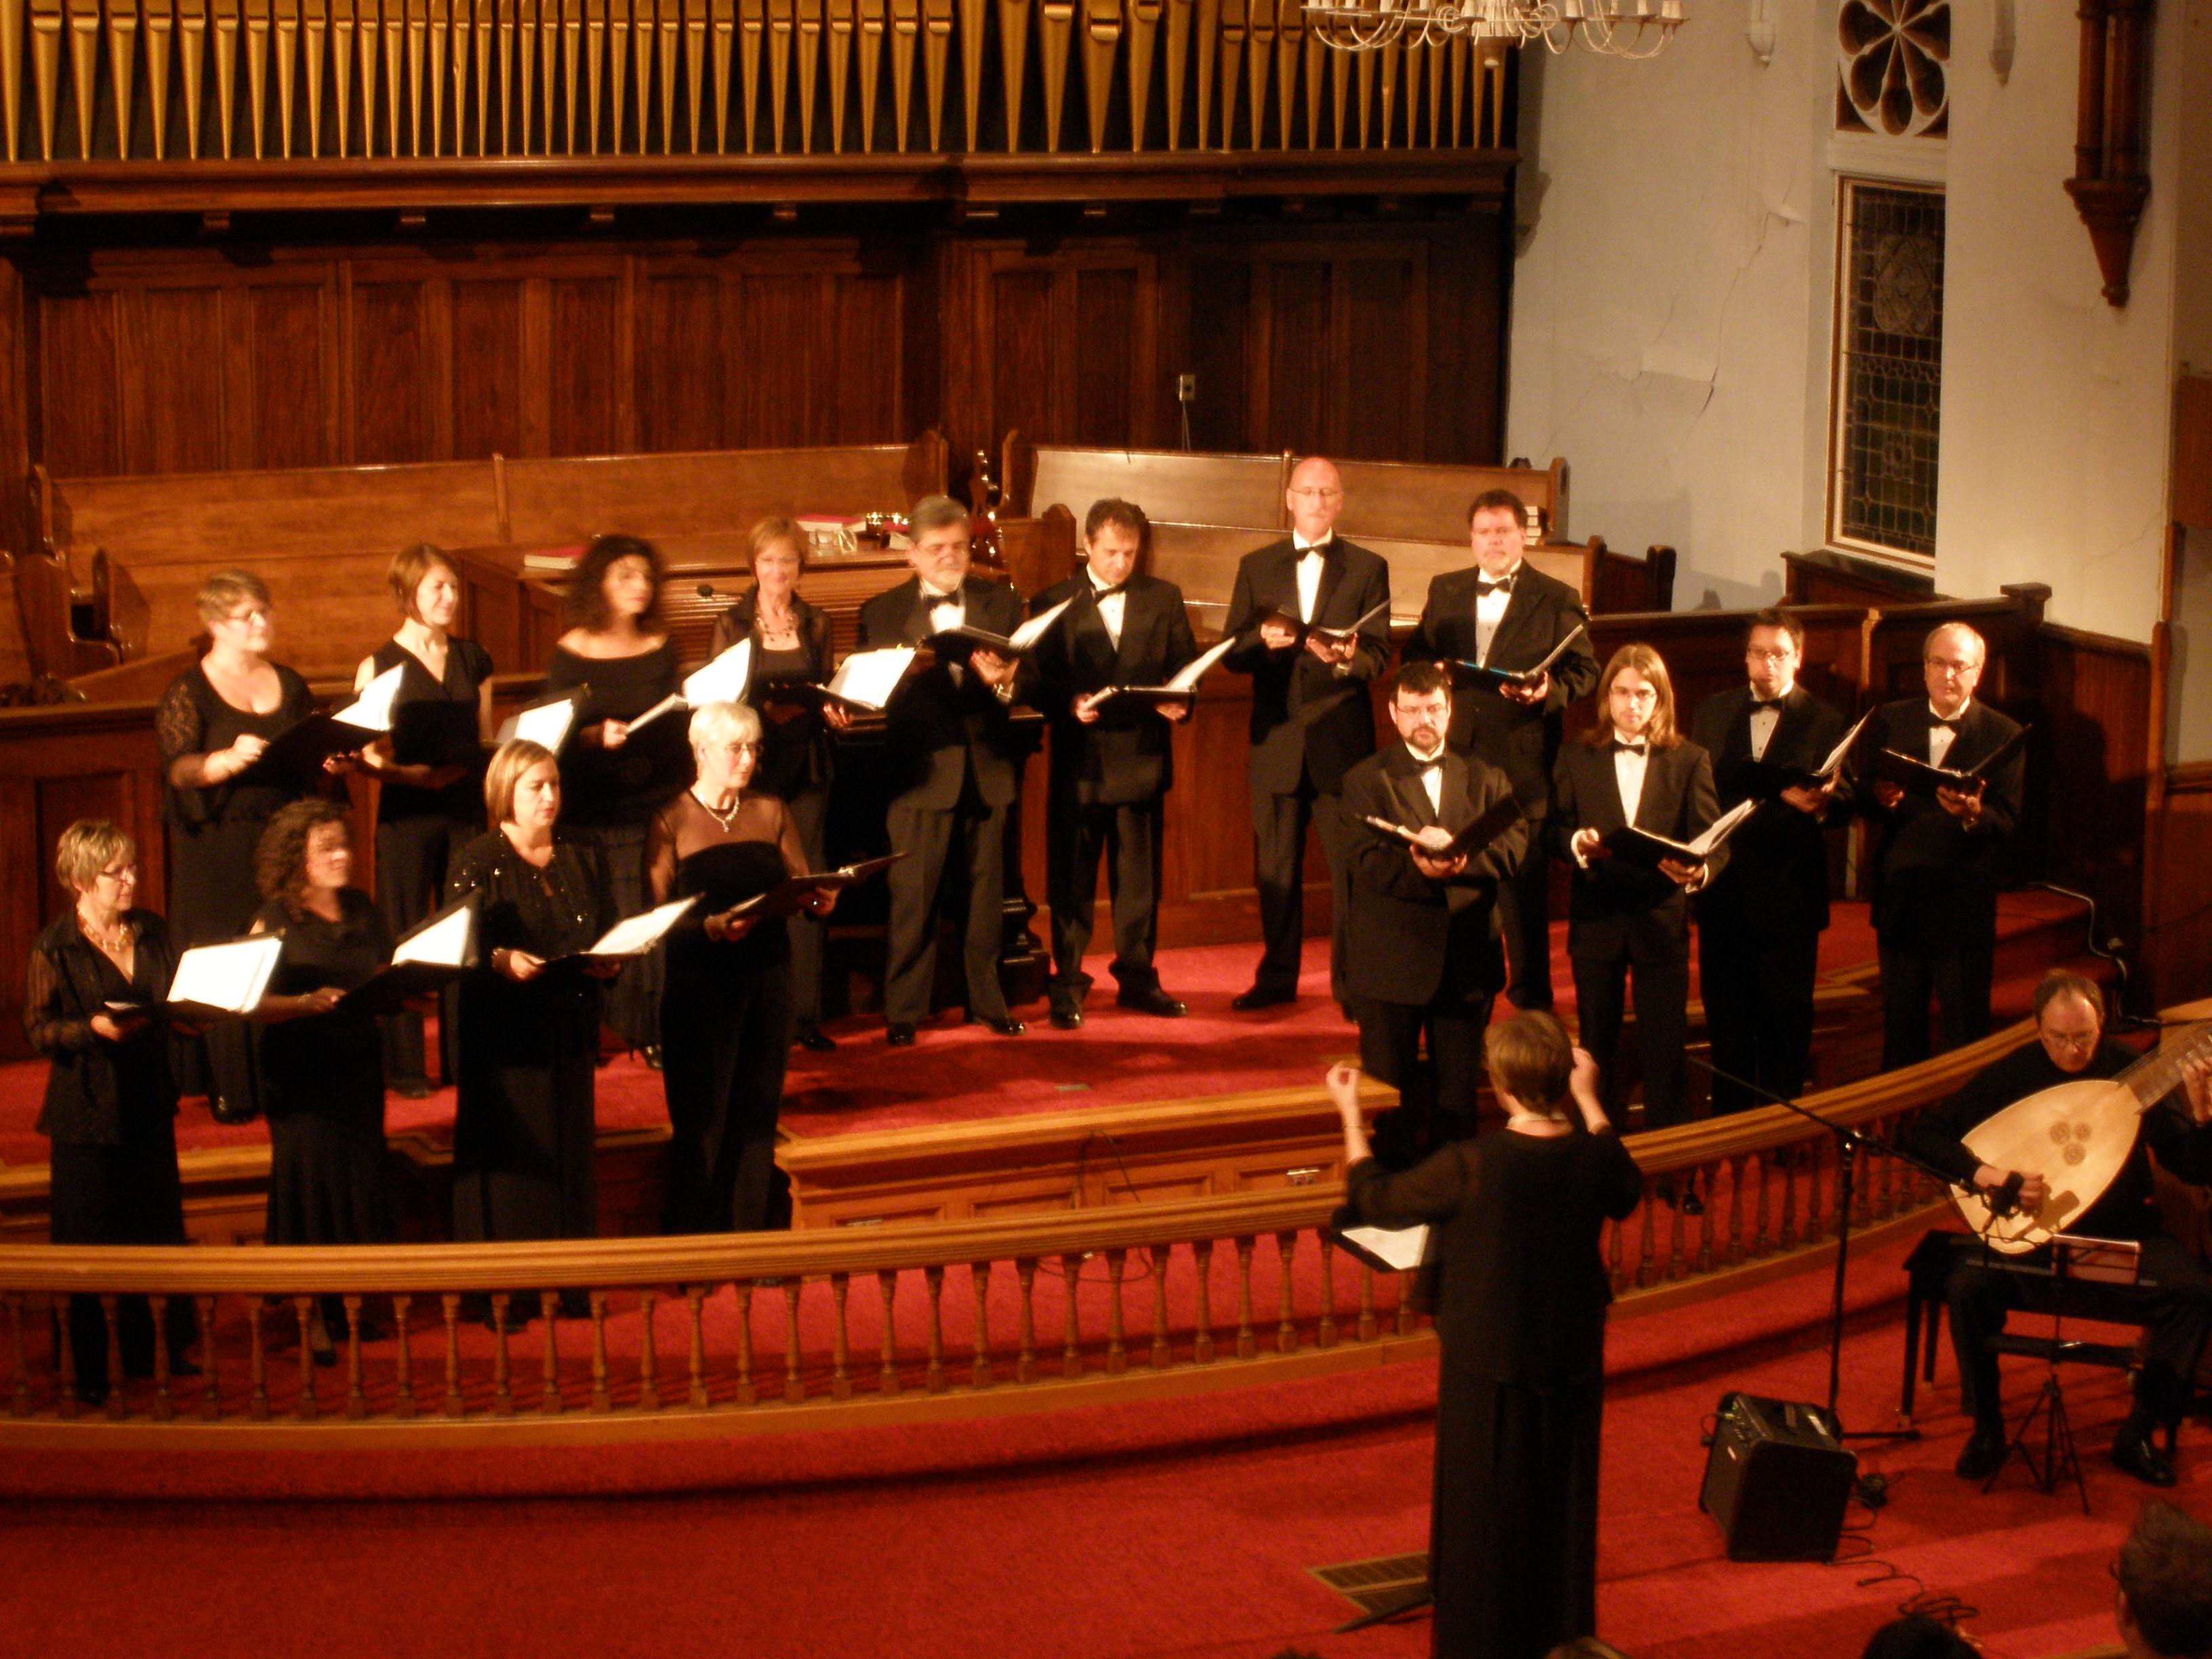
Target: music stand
x: 2086, y: 1260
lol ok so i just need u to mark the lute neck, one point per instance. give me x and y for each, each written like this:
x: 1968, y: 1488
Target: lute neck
x: 2158, y: 1074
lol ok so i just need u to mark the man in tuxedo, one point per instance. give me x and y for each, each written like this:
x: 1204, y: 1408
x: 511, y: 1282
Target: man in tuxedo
x: 1112, y: 760
x: 1422, y: 951
x: 1504, y: 613
x: 1634, y: 770
x: 955, y: 767
x: 1310, y: 717
x: 1760, y: 921
x: 1935, y: 871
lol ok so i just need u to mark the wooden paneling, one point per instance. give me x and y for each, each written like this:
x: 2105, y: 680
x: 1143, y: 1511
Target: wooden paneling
x: 487, y: 377
x: 393, y: 366
x: 2192, y: 451
x: 2094, y: 737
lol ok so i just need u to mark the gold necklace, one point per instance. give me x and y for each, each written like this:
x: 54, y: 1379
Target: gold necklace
x: 725, y: 819
x: 113, y: 940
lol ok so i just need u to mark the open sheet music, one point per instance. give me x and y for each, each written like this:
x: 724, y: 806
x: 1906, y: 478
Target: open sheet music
x: 1495, y: 820
x: 1015, y: 644
x: 865, y: 680
x: 1641, y: 847
x: 547, y: 724
x: 299, y: 751
x: 1386, y: 1250
x: 1765, y: 780
x: 1333, y: 636
x: 1479, y: 675
x: 722, y: 680
x: 1922, y: 779
x: 633, y: 936
x: 788, y: 897
x: 217, y: 981
x: 1183, y: 687
x: 428, y: 958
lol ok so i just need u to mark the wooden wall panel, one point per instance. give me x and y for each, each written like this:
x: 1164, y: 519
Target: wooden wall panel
x: 785, y: 326
x: 680, y: 392
x: 592, y: 402
x: 80, y: 385
x: 1110, y: 353
x: 1027, y: 354
x: 487, y: 378
x: 1385, y: 326
x: 869, y: 390
x: 1215, y: 341
x: 391, y: 372
x: 1299, y: 387
x: 287, y: 415
x: 172, y: 418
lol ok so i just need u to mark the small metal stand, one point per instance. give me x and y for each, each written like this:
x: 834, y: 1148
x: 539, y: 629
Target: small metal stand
x: 2100, y: 1260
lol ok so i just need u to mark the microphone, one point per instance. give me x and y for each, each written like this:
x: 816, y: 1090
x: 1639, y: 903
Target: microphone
x: 707, y: 591
x: 2006, y: 1199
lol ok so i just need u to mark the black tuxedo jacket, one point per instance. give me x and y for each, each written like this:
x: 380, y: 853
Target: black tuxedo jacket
x: 1775, y: 886
x: 1935, y: 881
x: 1521, y: 739
x: 940, y: 730
x: 1408, y: 938
x: 1309, y: 719
x: 1618, y: 909
x: 1126, y: 755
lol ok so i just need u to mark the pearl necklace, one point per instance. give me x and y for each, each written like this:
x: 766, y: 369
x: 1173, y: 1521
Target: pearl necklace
x: 114, y: 941
x: 725, y: 819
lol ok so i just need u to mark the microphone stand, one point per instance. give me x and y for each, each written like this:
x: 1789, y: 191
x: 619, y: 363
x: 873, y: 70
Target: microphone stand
x: 1849, y: 1142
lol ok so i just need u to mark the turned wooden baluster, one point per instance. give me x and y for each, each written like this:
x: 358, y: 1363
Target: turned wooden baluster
x: 1071, y: 1345
x: 1158, y: 1270
x: 745, y: 1395
x: 794, y: 1386
x: 1117, y: 1353
x: 1786, y: 1237
x: 979, y: 1274
x: 163, y: 1410
x: 1286, y: 1326
x: 65, y: 1359
x: 1647, y: 1246
x: 1025, y: 1360
x: 18, y: 1399
x: 1201, y: 1352
x: 841, y: 1375
x: 1406, y: 1302
x: 502, y: 1397
x: 303, y: 1310
x: 603, y: 1398
x: 1246, y: 1345
x: 1325, y: 1329
x: 887, y: 1378
x: 933, y: 1280
x: 450, y: 1305
x: 548, y: 1374
x: 356, y: 1397
x: 1615, y: 1275
x: 210, y: 1395
x: 1736, y: 1167
x: 1677, y: 1224
x: 1366, y: 1326
x: 403, y: 1402
x: 648, y: 1361
x: 1710, y: 1173
x: 696, y: 1297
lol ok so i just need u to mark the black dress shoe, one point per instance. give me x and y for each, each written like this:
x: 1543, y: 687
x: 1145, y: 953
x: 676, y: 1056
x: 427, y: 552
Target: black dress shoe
x: 2135, y: 1452
x: 1983, y: 1450
x: 412, y: 1088
x: 1153, y: 1000
x: 1260, y: 997
x: 1003, y: 1027
x: 1066, y: 1015
x: 899, y: 1035
x: 651, y: 1055
x: 815, y: 1040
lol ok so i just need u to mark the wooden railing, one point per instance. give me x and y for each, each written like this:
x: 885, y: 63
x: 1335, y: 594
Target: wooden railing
x: 671, y: 1335
x: 140, y: 80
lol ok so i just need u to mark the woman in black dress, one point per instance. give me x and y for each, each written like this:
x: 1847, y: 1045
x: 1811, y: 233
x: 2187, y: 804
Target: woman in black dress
x: 1520, y: 1309
x: 210, y: 726
x: 322, y: 1068
x: 611, y: 783
x: 726, y: 1012
x: 529, y: 1034
x: 431, y: 800
x: 791, y: 645
x: 111, y: 1103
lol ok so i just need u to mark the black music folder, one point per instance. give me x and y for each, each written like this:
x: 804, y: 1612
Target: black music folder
x: 1494, y: 821
x: 428, y: 958
x: 1497, y: 679
x: 1922, y: 779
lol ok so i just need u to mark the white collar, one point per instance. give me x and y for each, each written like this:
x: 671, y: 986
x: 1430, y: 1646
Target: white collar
x: 1419, y: 759
x: 1305, y: 547
x: 1780, y: 696
x: 1097, y: 586
x: 934, y: 597
x: 1480, y: 574
x: 1934, y: 713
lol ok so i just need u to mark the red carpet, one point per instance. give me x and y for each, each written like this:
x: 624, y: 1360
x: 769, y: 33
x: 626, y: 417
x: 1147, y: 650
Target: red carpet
x: 1087, y: 1547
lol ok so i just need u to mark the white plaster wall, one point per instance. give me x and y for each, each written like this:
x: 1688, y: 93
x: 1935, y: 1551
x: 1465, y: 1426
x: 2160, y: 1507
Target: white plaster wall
x: 1670, y: 287
x: 2056, y: 406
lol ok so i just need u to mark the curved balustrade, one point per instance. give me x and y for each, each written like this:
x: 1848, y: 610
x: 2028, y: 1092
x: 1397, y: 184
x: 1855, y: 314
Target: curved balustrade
x: 723, y: 1334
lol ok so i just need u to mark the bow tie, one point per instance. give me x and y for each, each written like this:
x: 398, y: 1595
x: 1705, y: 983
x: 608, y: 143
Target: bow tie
x: 1425, y: 766
x: 1314, y: 550
x: 1622, y: 748
x: 1758, y: 707
x: 1484, y: 588
x: 1099, y: 593
x: 932, y: 600
x: 1952, y: 727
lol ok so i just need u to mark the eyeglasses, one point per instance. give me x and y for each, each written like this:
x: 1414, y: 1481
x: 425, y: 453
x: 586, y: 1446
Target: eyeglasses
x: 1952, y: 664
x: 248, y: 613
x: 1755, y: 654
x: 119, y: 874
x: 1315, y: 492
x: 733, y: 748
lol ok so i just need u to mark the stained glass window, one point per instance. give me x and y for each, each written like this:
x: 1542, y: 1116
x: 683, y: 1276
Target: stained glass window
x: 1889, y: 309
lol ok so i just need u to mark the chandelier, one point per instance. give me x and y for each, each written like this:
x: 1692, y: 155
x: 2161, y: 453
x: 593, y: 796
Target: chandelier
x: 1615, y: 28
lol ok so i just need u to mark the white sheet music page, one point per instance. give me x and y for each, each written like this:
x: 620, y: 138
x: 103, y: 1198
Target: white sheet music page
x: 232, y: 977
x: 445, y: 943
x: 372, y: 710
x: 633, y: 935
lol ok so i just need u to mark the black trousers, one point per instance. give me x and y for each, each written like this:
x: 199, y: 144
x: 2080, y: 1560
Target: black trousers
x: 810, y: 813
x: 1435, y: 1099
x: 1662, y: 996
x: 928, y: 836
x: 1129, y: 836
x: 1957, y: 977
x: 2174, y: 1301
x: 125, y: 1195
x: 411, y: 855
x: 1278, y: 857
x: 1524, y: 914
x: 1759, y: 1010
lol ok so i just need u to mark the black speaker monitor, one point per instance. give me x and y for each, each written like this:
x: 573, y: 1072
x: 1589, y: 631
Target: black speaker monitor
x: 1777, y: 1480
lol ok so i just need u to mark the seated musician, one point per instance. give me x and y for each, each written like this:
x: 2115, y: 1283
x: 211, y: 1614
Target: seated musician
x: 2174, y: 1297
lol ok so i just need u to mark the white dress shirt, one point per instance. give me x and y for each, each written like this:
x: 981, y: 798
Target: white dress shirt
x: 1111, y: 607
x: 1432, y: 777
x: 947, y: 611
x: 1628, y: 768
x: 1939, y: 740
x: 1309, y: 572
x: 1764, y: 720
x: 1490, y: 610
